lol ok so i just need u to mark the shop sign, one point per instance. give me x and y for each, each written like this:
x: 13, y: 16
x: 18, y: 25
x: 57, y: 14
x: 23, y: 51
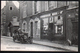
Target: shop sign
x: 54, y: 13
x: 44, y: 15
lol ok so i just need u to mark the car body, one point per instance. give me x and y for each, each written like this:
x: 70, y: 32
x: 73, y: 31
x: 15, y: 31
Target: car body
x: 22, y: 37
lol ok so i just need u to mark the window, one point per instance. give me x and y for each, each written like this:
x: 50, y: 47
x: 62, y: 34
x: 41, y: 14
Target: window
x: 46, y: 5
x: 38, y: 6
x: 61, y: 3
x: 45, y: 26
x: 52, y: 4
x: 24, y: 26
x: 24, y: 11
x: 10, y: 8
x: 45, y: 23
x: 58, y: 17
x: 33, y: 8
x: 36, y: 27
x: 24, y: 23
x: 73, y: 3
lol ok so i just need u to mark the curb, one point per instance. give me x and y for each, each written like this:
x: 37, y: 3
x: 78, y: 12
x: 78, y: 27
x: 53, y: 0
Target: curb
x: 55, y: 47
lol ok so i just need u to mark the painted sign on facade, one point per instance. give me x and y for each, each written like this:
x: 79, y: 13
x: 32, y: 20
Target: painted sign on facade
x: 51, y: 20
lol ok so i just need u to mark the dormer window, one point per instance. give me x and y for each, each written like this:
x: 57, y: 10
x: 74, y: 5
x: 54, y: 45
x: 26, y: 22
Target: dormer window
x: 10, y: 8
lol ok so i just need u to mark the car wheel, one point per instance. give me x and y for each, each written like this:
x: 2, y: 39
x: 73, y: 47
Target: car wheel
x: 22, y: 41
x: 30, y: 41
x: 13, y: 39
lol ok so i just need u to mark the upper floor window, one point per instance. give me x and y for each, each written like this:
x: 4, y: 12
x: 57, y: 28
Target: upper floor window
x: 10, y: 8
x: 52, y: 5
x: 46, y: 5
x: 61, y: 3
x: 24, y: 11
x: 73, y: 3
x: 38, y: 6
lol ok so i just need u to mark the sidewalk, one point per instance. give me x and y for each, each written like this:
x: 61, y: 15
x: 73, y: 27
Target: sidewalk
x: 55, y: 45
x: 52, y: 44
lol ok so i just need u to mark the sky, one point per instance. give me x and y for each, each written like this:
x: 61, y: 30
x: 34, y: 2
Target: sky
x: 3, y: 3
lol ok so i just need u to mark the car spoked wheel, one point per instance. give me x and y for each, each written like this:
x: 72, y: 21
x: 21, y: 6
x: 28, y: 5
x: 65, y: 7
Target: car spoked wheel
x: 30, y: 41
x: 14, y: 39
x: 27, y: 41
x: 25, y: 37
x: 22, y: 40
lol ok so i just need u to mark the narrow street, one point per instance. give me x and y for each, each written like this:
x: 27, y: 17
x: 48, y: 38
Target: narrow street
x: 7, y: 44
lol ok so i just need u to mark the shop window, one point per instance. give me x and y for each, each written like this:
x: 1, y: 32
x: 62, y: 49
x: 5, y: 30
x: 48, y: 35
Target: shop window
x: 14, y: 18
x: 59, y: 25
x: 58, y: 17
x: 45, y: 26
x: 36, y: 27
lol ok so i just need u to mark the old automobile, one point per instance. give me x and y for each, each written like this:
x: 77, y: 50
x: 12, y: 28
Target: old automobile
x: 21, y: 37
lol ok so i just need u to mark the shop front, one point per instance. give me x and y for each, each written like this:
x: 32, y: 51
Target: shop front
x: 52, y: 25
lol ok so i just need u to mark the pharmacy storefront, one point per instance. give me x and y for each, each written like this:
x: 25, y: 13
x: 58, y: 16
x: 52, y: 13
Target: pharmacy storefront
x: 53, y: 22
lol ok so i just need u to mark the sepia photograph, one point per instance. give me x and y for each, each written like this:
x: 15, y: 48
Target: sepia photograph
x: 39, y: 26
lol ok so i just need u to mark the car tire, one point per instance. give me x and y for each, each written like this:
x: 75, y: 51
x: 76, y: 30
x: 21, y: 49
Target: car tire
x: 30, y: 41
x: 22, y: 41
x: 13, y: 39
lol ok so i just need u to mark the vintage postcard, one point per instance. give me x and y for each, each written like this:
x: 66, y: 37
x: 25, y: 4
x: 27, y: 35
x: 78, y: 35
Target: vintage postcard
x: 39, y: 25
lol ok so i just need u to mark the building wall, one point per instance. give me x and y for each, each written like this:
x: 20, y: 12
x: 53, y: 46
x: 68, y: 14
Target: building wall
x: 61, y: 3
x: 25, y: 6
x: 10, y: 13
x: 3, y: 20
x: 31, y: 9
x: 13, y: 12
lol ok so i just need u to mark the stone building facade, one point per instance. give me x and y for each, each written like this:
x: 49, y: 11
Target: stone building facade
x: 10, y: 11
x: 36, y: 17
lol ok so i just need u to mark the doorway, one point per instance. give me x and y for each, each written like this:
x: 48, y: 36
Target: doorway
x: 32, y: 29
x: 36, y: 23
x: 51, y: 26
